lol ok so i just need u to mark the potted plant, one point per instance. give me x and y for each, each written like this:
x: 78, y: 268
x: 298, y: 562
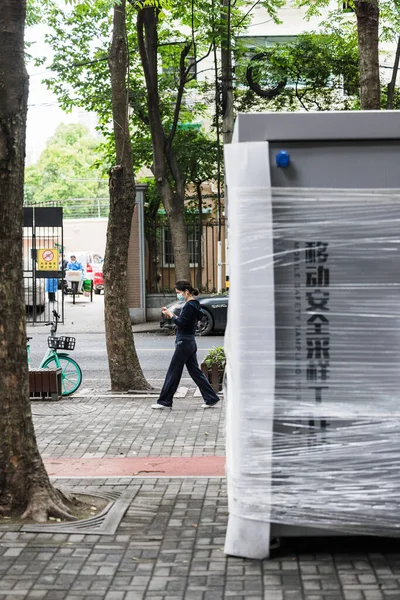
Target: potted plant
x: 213, y: 367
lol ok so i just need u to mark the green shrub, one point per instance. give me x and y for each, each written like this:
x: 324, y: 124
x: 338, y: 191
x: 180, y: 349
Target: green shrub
x: 216, y: 356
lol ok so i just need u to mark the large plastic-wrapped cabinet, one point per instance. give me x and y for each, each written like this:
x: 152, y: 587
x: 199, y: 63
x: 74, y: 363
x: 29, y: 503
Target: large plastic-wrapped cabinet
x: 313, y: 340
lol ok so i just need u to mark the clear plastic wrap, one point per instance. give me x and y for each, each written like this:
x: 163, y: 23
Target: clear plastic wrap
x: 313, y: 345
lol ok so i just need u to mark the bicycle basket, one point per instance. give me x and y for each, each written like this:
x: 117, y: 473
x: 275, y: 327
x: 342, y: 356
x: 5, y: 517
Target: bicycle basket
x: 61, y: 343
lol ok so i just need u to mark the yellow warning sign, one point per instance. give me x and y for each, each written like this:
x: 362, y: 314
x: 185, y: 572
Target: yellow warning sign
x: 47, y: 259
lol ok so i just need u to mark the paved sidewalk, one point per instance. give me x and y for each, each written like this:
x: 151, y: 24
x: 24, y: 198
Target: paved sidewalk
x: 169, y: 546
x: 113, y: 426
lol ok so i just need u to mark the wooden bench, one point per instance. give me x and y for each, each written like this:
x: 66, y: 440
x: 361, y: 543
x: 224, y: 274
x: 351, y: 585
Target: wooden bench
x: 45, y: 384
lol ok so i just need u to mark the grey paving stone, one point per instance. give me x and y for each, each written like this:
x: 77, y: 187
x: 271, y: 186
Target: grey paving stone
x: 122, y: 427
x: 373, y: 595
x: 217, y: 595
x: 133, y: 595
x: 192, y: 595
x: 293, y: 594
x: 273, y: 595
x: 170, y: 543
x: 12, y: 552
x: 353, y: 595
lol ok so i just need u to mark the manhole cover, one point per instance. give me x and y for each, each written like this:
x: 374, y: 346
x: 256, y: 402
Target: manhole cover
x: 54, y: 410
x: 105, y: 523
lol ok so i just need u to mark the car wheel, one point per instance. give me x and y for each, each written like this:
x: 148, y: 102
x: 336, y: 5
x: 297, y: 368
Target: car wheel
x: 98, y: 292
x: 205, y: 326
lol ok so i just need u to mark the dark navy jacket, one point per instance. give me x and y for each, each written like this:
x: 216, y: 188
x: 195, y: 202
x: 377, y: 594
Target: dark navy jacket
x: 186, y: 323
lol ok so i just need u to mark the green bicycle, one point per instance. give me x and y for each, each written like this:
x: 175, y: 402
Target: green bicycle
x: 71, y: 371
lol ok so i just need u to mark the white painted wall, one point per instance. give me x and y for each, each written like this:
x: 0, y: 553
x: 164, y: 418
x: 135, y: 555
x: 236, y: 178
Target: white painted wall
x: 293, y: 20
x: 85, y: 235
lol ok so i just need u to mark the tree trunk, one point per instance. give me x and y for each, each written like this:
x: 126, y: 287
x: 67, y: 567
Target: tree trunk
x: 367, y: 12
x: 392, y: 84
x: 177, y: 225
x: 165, y: 166
x: 24, y: 484
x: 199, y: 239
x: 228, y: 117
x: 125, y: 370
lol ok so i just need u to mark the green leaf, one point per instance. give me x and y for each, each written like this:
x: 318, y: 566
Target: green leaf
x: 216, y: 356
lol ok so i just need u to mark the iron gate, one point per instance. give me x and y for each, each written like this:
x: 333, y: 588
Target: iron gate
x: 43, y: 260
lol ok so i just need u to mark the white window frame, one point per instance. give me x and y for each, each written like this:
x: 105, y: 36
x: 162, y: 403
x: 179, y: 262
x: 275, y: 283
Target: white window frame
x: 164, y: 254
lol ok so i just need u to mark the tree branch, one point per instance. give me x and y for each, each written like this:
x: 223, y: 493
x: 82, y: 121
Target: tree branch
x: 392, y: 84
x: 139, y: 110
x: 197, y: 62
x: 300, y: 98
x: 183, y: 72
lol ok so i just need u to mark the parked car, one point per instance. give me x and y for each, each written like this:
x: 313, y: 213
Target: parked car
x: 215, y: 308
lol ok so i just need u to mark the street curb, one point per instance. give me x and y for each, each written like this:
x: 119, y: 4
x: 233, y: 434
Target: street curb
x: 147, y: 330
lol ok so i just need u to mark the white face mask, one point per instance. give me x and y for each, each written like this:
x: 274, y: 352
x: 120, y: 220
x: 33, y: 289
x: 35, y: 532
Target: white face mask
x: 180, y: 296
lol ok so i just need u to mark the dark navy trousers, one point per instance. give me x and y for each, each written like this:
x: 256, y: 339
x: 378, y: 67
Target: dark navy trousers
x: 185, y: 354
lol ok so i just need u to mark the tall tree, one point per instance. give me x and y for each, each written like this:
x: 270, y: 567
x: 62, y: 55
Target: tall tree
x: 66, y: 170
x: 24, y: 485
x: 228, y: 115
x: 173, y: 40
x: 168, y: 175
x: 156, y: 98
x: 125, y: 370
x: 306, y: 74
x: 373, y: 18
x: 367, y: 12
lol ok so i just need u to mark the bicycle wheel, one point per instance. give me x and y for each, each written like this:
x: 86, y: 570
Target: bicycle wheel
x: 71, y: 373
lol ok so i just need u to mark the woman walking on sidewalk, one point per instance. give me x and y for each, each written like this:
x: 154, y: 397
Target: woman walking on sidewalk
x: 185, y: 350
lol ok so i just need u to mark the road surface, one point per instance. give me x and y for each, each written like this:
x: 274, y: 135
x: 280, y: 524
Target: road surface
x: 84, y: 320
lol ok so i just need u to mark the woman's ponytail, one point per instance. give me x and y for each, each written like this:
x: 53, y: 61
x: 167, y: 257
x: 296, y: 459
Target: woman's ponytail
x: 184, y: 285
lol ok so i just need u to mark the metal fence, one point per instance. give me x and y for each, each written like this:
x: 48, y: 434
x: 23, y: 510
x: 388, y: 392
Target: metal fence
x: 160, y: 263
x: 80, y: 208
x: 42, y: 248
